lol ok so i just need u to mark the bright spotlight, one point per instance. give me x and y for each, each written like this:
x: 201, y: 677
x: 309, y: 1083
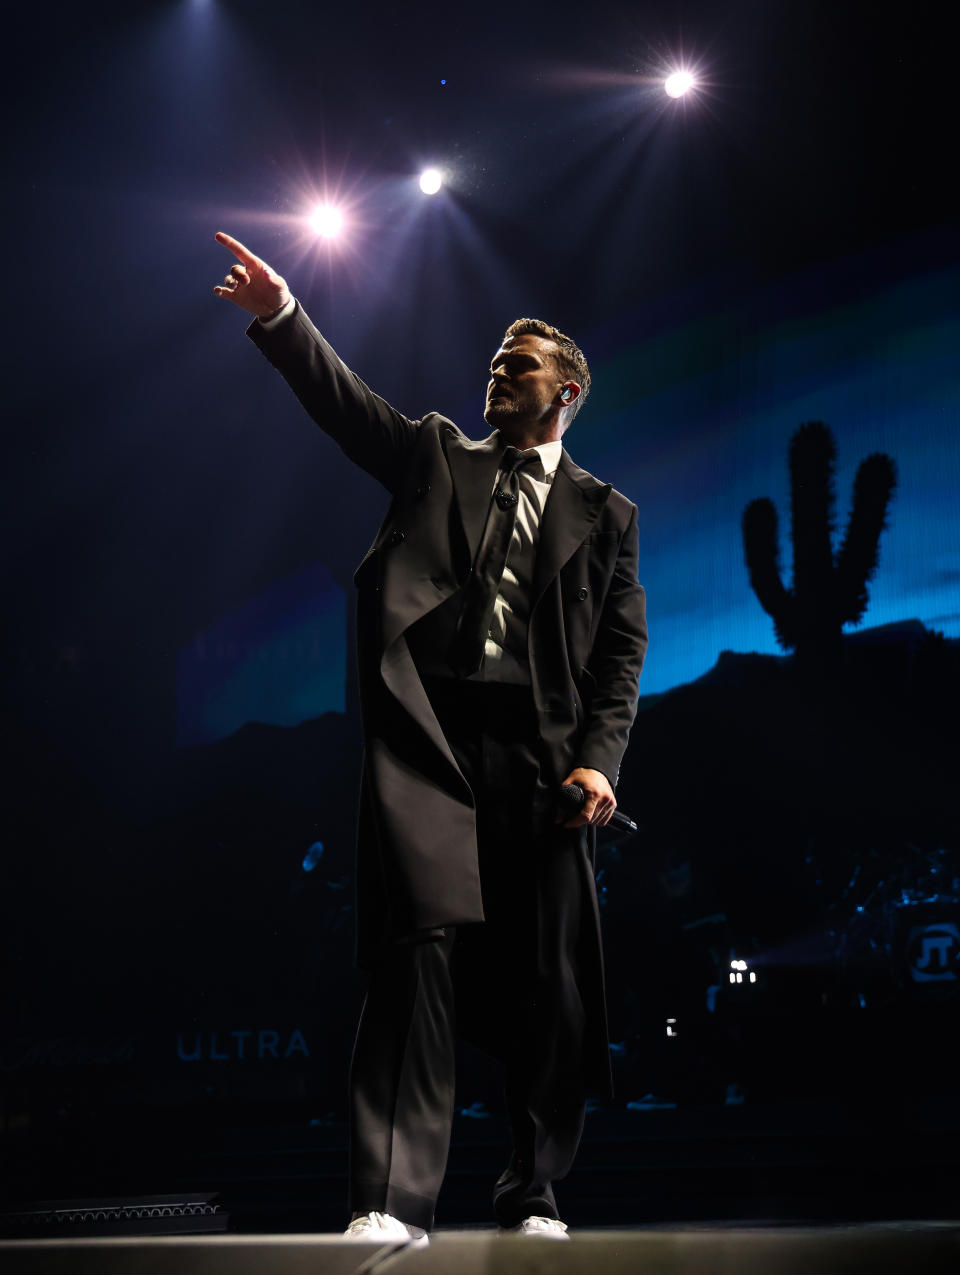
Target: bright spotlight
x: 326, y: 221
x: 678, y: 83
x: 431, y: 180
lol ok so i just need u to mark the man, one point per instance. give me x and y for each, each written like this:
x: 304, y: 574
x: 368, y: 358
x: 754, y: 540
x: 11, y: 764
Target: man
x: 501, y: 633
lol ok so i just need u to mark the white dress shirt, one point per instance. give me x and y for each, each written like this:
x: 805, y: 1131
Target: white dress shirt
x: 505, y: 650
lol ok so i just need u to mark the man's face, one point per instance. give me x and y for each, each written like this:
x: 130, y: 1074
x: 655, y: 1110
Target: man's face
x: 524, y: 383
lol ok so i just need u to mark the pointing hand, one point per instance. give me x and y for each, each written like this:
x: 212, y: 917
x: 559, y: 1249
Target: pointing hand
x: 251, y: 284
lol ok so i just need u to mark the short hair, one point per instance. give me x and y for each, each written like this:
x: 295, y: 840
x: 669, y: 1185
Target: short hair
x: 571, y: 364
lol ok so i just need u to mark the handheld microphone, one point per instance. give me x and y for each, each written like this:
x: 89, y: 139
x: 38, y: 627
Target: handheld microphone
x: 572, y: 797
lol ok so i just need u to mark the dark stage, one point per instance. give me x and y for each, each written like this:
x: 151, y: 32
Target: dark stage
x: 922, y: 1247
x: 800, y: 1163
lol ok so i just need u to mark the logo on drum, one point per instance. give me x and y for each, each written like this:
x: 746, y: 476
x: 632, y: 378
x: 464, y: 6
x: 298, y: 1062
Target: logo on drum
x: 933, y: 953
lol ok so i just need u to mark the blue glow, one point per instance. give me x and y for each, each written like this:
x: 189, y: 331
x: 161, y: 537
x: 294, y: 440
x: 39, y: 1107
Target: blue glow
x: 313, y: 856
x: 476, y: 1111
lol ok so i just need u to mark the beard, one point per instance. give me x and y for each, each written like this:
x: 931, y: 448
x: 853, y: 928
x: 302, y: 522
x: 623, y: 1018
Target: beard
x: 508, y: 410
x: 501, y: 409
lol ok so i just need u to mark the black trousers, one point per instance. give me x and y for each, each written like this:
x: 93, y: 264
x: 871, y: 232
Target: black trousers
x: 509, y: 985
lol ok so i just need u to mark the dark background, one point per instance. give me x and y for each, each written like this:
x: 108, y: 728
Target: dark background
x: 777, y: 247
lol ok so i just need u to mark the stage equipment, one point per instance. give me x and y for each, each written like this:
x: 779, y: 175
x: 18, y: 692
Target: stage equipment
x: 431, y: 179
x: 896, y: 927
x: 740, y: 972
x: 138, y: 1215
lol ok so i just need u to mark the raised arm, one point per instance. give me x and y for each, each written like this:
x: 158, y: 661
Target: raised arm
x: 371, y: 433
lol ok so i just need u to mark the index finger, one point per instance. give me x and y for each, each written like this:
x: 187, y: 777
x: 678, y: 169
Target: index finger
x: 239, y: 251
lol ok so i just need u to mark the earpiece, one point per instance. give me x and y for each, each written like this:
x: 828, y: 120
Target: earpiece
x: 565, y: 394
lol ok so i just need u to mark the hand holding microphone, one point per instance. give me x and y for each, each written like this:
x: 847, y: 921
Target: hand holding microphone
x: 586, y: 797
x: 572, y: 799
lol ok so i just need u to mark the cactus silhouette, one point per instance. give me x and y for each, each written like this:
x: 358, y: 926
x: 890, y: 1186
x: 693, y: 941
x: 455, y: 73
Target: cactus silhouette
x: 828, y: 591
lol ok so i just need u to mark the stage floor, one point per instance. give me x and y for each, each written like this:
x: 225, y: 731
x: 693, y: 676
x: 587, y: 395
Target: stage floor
x: 907, y: 1248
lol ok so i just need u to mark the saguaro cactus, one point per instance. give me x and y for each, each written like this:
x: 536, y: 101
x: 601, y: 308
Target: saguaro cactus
x: 828, y: 591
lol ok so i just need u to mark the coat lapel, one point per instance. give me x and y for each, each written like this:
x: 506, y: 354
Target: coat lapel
x: 575, y: 499
x: 473, y: 468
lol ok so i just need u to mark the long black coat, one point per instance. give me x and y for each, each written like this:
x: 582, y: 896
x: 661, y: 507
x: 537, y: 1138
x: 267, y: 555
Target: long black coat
x: 417, y: 851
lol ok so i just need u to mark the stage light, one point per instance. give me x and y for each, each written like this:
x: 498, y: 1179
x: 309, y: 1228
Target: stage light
x: 737, y: 970
x: 326, y: 221
x: 678, y: 83
x: 431, y: 179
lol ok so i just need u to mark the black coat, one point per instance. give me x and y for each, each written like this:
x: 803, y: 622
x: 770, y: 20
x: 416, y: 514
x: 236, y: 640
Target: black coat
x: 417, y: 853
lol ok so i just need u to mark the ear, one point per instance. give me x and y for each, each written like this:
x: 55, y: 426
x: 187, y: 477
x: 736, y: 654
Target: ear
x: 569, y: 393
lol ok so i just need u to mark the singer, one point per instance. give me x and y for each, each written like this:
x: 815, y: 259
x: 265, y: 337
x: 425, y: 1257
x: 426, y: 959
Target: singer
x: 501, y: 633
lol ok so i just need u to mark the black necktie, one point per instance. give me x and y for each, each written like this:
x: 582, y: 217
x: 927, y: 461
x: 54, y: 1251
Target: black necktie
x: 483, y: 583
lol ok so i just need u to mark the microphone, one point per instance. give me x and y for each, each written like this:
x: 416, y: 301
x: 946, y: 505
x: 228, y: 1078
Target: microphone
x: 572, y: 797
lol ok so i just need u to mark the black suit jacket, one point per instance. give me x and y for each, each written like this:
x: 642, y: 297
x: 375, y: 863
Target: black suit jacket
x: 417, y: 854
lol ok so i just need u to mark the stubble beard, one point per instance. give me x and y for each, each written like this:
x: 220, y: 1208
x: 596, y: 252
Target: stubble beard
x: 501, y: 409
x: 509, y: 415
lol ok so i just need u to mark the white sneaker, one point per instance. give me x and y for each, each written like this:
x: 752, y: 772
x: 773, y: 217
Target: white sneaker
x: 381, y: 1228
x: 550, y: 1228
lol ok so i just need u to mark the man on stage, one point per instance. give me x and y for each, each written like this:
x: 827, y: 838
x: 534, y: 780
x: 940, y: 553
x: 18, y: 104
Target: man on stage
x: 501, y: 632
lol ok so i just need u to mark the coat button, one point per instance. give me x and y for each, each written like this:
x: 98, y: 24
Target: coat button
x: 423, y: 490
x: 397, y: 537
x: 582, y: 594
